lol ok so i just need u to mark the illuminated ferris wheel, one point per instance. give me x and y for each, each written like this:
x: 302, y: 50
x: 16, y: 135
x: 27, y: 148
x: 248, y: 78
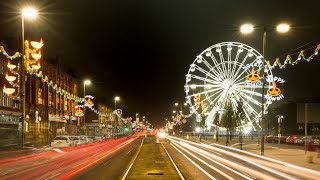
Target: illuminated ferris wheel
x: 227, y: 73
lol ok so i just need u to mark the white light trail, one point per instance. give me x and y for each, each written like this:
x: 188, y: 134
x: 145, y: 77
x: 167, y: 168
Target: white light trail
x: 195, y: 164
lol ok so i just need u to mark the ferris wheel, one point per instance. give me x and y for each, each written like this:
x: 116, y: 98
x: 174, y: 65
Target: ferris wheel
x: 228, y: 72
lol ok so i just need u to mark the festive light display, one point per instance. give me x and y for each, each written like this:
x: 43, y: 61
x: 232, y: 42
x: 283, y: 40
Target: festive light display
x: 288, y: 60
x: 88, y: 100
x: 15, y: 55
x: 32, y: 55
x: 253, y: 76
x: 79, y: 110
x: 274, y: 91
x: 217, y: 74
x: 58, y: 89
x: 32, y: 65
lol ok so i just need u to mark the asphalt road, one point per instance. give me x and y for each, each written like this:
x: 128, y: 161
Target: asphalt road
x: 138, y: 157
x: 114, y: 166
x: 202, y: 161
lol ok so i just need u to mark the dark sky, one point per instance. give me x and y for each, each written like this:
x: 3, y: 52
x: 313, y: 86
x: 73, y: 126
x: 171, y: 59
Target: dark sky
x: 141, y: 50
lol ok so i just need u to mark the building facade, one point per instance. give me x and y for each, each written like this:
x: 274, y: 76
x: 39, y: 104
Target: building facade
x: 10, y: 126
x: 49, y: 113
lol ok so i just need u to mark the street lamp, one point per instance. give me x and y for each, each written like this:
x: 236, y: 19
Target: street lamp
x: 31, y: 54
x: 27, y: 13
x: 280, y: 117
x: 247, y: 29
x: 85, y: 82
x: 117, y: 98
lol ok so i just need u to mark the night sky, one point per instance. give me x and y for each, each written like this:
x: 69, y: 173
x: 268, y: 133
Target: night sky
x: 141, y: 50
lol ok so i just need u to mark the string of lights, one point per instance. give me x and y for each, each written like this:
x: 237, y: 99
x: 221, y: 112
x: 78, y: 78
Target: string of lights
x: 288, y: 60
x: 15, y: 55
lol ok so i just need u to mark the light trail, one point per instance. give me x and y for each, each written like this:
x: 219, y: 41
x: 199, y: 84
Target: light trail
x: 57, y: 165
x: 195, y: 164
x: 271, y: 168
x: 208, y: 155
x: 202, y: 161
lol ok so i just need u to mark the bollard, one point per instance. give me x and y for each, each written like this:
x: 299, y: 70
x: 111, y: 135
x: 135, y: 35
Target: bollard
x: 187, y: 136
x: 157, y: 141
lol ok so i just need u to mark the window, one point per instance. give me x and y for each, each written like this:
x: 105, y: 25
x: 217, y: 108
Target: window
x: 57, y: 102
x: 51, y: 104
x: 40, y: 96
x: 65, y: 104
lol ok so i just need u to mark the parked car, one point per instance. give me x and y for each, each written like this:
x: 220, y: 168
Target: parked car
x: 76, y: 141
x: 275, y: 139
x: 306, y: 139
x: 293, y: 139
x: 99, y: 138
x: 61, y: 141
x: 86, y: 139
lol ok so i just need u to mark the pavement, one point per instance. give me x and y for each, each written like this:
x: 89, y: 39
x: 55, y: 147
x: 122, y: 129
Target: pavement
x: 292, y: 154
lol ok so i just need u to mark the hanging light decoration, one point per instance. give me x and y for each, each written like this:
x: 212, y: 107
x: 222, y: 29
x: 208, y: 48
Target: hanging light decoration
x: 32, y: 56
x: 10, y: 78
x: 79, y: 111
x: 88, y: 101
x: 8, y: 91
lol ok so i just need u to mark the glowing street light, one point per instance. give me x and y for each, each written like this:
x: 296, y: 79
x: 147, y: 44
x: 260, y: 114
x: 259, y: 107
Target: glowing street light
x: 29, y: 12
x: 26, y: 13
x: 85, y: 82
x: 283, y: 28
x: 117, y: 98
x: 246, y: 28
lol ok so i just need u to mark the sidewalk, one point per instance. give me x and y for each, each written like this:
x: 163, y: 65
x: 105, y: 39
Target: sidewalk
x: 292, y: 154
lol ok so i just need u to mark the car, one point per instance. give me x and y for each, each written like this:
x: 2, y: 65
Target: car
x: 275, y: 139
x: 302, y: 141
x: 99, y: 138
x: 86, y: 139
x: 292, y: 139
x: 76, y: 141
x: 61, y: 141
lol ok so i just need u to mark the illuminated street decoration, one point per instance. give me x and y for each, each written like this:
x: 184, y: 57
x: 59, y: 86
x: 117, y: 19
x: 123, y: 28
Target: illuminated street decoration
x: 253, y: 76
x: 58, y: 89
x: 15, y: 55
x: 32, y: 56
x: 219, y: 75
x: 89, y: 100
x: 30, y: 61
x: 184, y: 121
x: 288, y: 60
x: 274, y: 91
x: 79, y: 110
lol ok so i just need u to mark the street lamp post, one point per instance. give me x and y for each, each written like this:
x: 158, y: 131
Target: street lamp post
x: 117, y: 98
x: 85, y: 82
x: 247, y: 29
x: 280, y: 117
x: 29, y: 13
x: 137, y: 116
